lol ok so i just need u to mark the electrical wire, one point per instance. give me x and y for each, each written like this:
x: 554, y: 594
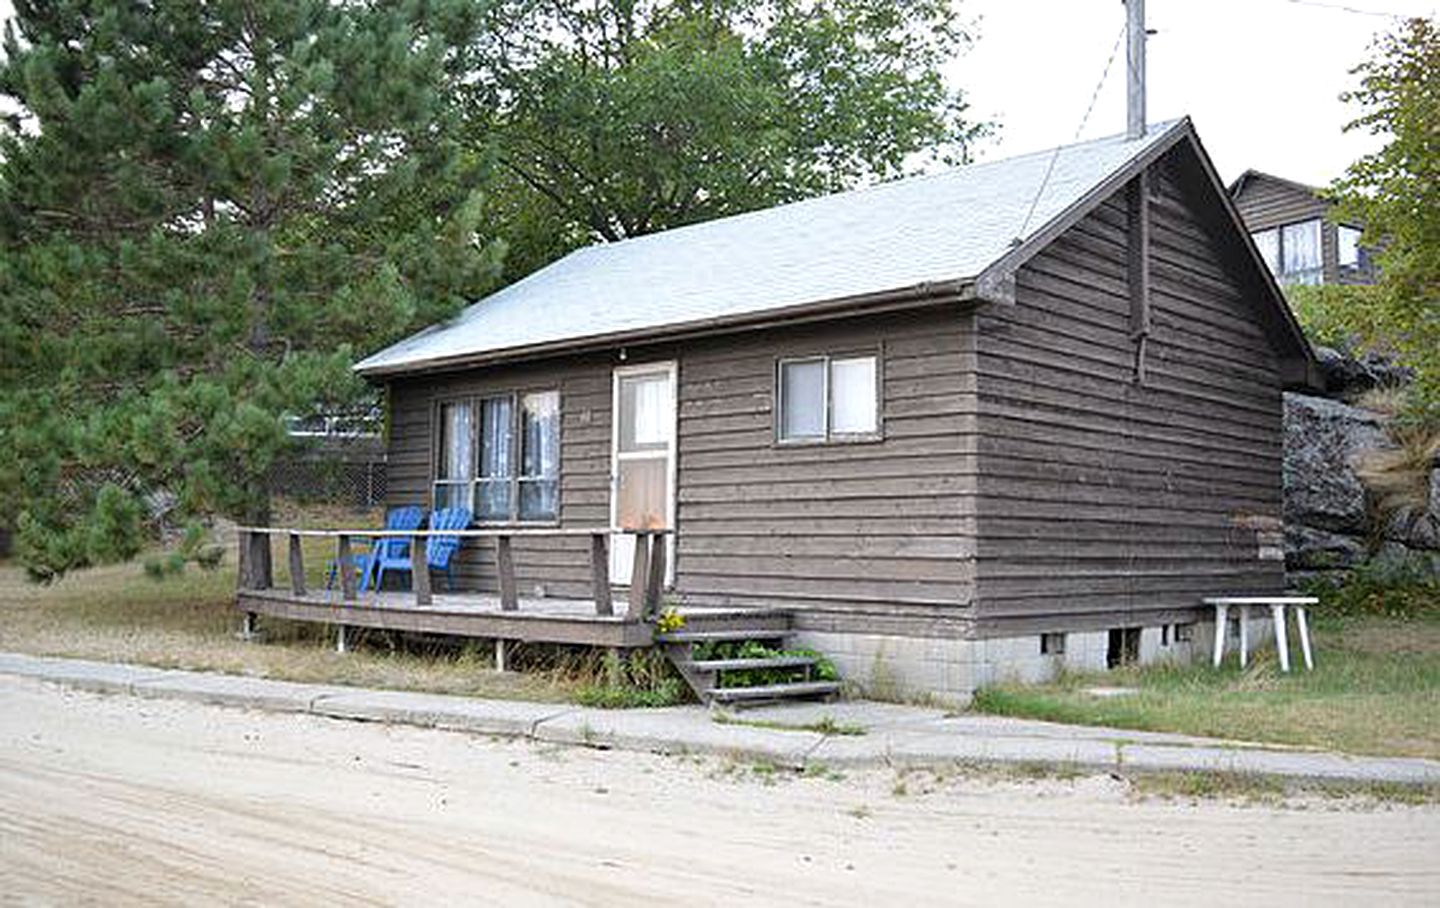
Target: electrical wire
x: 1050, y: 168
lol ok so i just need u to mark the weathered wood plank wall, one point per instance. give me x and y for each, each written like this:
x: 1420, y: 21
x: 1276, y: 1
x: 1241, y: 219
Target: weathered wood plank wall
x: 872, y: 536
x: 1102, y: 497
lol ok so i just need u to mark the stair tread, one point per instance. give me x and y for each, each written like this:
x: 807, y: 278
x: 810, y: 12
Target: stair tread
x: 719, y: 665
x: 770, y: 691
x: 698, y: 636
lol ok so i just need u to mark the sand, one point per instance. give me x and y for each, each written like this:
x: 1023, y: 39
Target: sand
x: 117, y: 800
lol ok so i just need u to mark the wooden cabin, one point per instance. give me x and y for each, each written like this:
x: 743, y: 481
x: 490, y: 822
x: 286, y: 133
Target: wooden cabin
x: 1291, y: 225
x: 955, y: 428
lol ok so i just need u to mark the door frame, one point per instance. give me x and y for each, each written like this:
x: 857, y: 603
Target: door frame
x: 672, y: 369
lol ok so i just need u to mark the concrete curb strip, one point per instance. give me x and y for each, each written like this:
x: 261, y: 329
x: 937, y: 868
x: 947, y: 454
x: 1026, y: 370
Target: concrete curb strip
x: 894, y: 734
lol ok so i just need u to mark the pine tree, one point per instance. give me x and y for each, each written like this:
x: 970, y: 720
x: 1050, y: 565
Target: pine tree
x: 206, y: 208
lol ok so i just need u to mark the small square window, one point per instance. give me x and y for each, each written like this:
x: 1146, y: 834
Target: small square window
x: 1052, y: 644
x: 828, y: 399
x: 1184, y: 633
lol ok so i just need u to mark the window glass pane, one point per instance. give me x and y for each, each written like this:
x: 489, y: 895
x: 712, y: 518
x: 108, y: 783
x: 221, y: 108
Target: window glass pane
x: 645, y: 412
x: 802, y: 399
x: 1300, y: 248
x: 1348, y: 239
x: 539, y: 499
x: 492, y: 499
x: 452, y: 495
x: 495, y: 440
x: 493, y: 491
x: 540, y: 455
x: 1268, y: 242
x: 643, y: 493
x: 456, y: 453
x: 852, y: 396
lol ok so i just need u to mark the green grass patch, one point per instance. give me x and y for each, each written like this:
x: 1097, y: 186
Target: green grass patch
x: 1375, y: 690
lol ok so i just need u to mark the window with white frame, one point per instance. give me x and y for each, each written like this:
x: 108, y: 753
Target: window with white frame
x: 828, y: 398
x: 1347, y: 242
x: 516, y: 475
x: 1292, y: 251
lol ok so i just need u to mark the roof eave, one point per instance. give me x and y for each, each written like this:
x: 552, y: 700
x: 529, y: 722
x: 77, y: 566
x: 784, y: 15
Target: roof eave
x: 928, y: 293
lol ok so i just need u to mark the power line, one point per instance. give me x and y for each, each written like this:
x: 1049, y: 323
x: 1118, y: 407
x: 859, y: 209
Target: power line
x: 1050, y: 168
x: 1342, y: 8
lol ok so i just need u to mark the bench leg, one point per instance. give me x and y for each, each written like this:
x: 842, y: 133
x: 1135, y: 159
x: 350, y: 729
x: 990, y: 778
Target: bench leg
x: 1244, y: 634
x: 1302, y: 627
x: 1222, y: 624
x: 1282, y: 643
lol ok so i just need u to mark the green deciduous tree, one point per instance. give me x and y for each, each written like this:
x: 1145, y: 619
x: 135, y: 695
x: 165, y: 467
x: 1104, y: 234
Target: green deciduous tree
x: 622, y: 117
x: 1395, y: 193
x: 205, y: 207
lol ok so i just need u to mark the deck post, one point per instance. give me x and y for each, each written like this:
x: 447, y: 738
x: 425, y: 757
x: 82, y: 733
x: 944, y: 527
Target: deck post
x: 297, y: 566
x: 420, y: 571
x: 247, y: 627
x: 254, y: 573
x: 655, y: 582
x: 505, y: 567
x: 342, y: 644
x: 499, y: 654
x: 346, y: 563
x: 639, y: 574
x: 600, y: 573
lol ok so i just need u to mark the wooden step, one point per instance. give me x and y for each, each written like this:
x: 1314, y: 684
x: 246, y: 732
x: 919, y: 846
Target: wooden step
x: 703, y: 636
x: 727, y: 665
x: 773, y: 691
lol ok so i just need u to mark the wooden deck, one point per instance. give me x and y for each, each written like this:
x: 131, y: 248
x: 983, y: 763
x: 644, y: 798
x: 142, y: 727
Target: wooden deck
x: 596, y: 621
x: 458, y: 614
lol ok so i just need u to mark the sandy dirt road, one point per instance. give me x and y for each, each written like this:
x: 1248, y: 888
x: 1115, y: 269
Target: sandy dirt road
x: 114, y: 800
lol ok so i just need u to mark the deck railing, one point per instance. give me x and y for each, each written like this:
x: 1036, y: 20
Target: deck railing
x: 647, y: 577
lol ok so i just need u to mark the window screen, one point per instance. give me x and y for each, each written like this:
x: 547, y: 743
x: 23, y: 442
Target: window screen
x: 802, y: 399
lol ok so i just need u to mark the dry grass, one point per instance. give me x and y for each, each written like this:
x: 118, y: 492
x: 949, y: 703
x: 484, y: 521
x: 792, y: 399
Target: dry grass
x: 187, y: 620
x: 1388, y: 401
x: 1375, y: 690
x: 1399, y: 477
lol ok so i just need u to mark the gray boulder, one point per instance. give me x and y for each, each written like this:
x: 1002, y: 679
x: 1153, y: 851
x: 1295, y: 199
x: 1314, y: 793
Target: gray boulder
x: 1322, y: 438
x: 1347, y: 374
x: 1311, y: 549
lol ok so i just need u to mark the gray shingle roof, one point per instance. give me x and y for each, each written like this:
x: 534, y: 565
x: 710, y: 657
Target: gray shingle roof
x: 943, y: 227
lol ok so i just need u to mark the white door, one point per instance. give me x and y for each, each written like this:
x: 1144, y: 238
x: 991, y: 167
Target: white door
x: 642, y: 460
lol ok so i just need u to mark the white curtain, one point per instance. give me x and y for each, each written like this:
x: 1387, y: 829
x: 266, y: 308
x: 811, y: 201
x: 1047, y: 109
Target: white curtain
x: 1300, y: 244
x: 852, y: 396
x: 457, y: 423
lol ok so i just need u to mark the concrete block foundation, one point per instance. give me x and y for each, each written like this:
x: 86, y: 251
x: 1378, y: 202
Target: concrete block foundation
x: 951, y: 670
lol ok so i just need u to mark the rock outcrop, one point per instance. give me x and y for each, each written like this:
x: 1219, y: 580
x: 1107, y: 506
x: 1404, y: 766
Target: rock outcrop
x: 1329, y: 523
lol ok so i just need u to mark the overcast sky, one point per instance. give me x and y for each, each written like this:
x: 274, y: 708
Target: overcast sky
x: 1260, y: 78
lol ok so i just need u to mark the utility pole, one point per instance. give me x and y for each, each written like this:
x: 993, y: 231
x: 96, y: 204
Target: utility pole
x: 1135, y: 71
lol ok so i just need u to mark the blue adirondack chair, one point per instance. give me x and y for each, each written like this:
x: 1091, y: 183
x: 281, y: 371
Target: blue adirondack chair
x: 439, y: 550
x: 405, y: 518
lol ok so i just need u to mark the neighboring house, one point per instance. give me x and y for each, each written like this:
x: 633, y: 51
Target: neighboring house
x: 983, y: 423
x: 1291, y: 227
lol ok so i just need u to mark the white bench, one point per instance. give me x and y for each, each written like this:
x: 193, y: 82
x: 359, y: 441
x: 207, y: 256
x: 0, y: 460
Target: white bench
x: 1277, y: 605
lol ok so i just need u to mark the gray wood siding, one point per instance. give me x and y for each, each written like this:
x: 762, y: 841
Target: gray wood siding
x: 561, y: 566
x: 1102, y: 497
x: 870, y: 535
x: 1264, y: 203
